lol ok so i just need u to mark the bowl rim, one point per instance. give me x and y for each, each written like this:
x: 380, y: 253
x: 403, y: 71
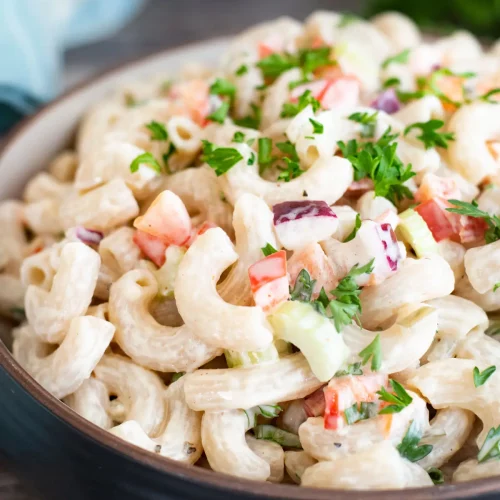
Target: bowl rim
x: 164, y: 465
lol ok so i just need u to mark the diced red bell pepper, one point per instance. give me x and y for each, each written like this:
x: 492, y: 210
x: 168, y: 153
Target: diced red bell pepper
x: 343, y: 91
x: 199, y: 231
x: 342, y: 392
x: 444, y: 224
x: 436, y: 218
x: 167, y: 219
x: 151, y: 246
x: 269, y: 281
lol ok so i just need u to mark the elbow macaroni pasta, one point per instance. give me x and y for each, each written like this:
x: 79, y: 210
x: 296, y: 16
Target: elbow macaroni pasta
x: 343, y: 140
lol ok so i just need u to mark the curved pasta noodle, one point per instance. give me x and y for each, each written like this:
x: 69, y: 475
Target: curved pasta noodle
x: 140, y: 390
x: 481, y: 266
x: 223, y: 437
x: 162, y: 348
x: 180, y: 438
x: 44, y: 185
x: 430, y: 278
x: 49, y: 312
x: 296, y: 463
x: 403, y: 344
x: 64, y: 165
x: 284, y: 380
x: 253, y: 227
x: 448, y: 432
x: 327, y: 179
x: 272, y: 453
x: 472, y: 469
x: 11, y: 295
x: 91, y: 401
x: 62, y: 371
x: 213, y: 320
x: 449, y: 382
x: 402, y: 32
x: 453, y: 253
x: 105, y: 207
x: 489, y: 301
x: 379, y: 468
x: 325, y: 444
x: 473, y: 125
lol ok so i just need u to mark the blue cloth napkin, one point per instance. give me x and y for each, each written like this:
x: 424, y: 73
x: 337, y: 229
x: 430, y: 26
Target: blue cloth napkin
x: 33, y: 37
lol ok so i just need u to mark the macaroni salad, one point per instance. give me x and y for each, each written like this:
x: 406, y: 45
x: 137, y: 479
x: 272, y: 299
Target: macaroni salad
x: 288, y: 264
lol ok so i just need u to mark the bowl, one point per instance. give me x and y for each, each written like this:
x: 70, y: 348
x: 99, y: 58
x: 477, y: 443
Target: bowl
x: 60, y: 454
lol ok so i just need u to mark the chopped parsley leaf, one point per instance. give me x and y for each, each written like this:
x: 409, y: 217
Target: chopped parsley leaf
x: 391, y: 82
x: 239, y: 137
x: 430, y: 136
x: 303, y: 288
x: 242, y: 70
x: 345, y: 304
x: 288, y: 149
x: 401, y: 58
x: 399, y: 401
x: 220, y: 159
x: 378, y: 161
x: 252, y: 120
x: 356, y: 413
x: 291, y: 172
x: 291, y: 109
x: 368, y: 122
x: 374, y: 351
x: 318, y: 127
x: 223, y: 87
x: 480, y: 378
x: 409, y: 448
x: 145, y: 159
x: 220, y: 114
x: 268, y: 250
x: 357, y: 225
x: 158, y: 131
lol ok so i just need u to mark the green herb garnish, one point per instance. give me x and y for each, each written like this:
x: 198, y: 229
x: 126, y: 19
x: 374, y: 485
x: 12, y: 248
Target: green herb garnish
x: 268, y: 250
x: 401, y: 58
x: 318, y: 127
x: 158, y: 131
x: 220, y: 159
x: 400, y: 400
x: 357, y: 225
x: 409, y: 447
x: 145, y: 159
x: 374, y: 351
x: 356, y: 413
x: 480, y: 378
x: 430, y: 136
x: 368, y: 122
x: 291, y: 109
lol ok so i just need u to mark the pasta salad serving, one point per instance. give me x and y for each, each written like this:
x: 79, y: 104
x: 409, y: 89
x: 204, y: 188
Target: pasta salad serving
x: 284, y: 268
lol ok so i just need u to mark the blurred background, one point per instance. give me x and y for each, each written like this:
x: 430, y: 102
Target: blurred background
x: 48, y: 46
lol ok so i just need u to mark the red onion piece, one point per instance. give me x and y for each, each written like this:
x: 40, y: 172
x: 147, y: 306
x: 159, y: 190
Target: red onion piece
x: 314, y: 404
x: 295, y: 210
x: 89, y: 236
x: 387, y: 101
x: 390, y: 244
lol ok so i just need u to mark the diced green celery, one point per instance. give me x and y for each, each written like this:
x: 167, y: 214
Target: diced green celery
x: 237, y: 359
x: 314, y: 334
x: 413, y: 230
x: 167, y: 273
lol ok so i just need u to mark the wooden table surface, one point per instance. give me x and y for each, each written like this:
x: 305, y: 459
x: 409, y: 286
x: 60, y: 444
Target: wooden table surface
x: 163, y: 24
